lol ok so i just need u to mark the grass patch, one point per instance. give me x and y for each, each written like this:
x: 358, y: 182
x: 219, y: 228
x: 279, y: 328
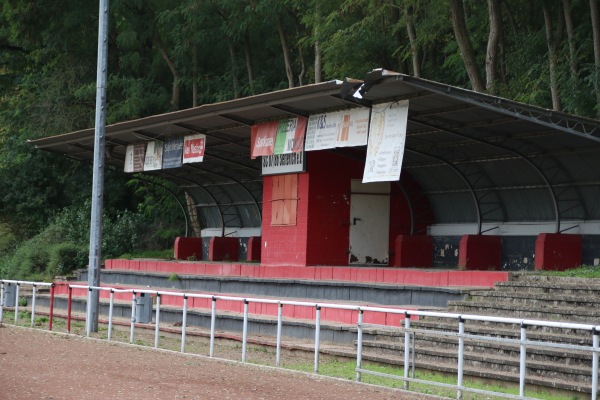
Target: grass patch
x: 346, y: 370
x: 166, y: 254
x: 585, y: 271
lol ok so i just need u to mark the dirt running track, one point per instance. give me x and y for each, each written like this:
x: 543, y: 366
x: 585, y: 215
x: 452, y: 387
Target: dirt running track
x: 36, y: 364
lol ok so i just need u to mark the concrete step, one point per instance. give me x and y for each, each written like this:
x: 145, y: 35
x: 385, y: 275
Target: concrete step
x: 541, y: 284
x: 228, y: 321
x: 481, y: 370
x: 536, y: 299
x: 488, y: 359
x: 324, y: 290
x: 515, y: 310
x: 492, y: 350
x: 346, y: 316
x: 568, y: 336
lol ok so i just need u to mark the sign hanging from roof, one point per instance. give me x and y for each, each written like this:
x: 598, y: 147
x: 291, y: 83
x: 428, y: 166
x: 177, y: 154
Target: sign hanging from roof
x: 278, y: 137
x: 154, y: 155
x: 337, y: 129
x: 387, y: 136
x: 173, y: 153
x: 193, y: 148
x: 134, y: 157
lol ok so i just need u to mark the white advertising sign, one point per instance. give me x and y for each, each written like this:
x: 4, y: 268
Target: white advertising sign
x: 134, y: 157
x: 337, y: 129
x: 387, y: 136
x: 154, y: 155
x: 283, y: 163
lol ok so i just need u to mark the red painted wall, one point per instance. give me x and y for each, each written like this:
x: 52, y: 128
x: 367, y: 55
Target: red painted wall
x: 223, y: 249
x: 186, y: 247
x: 413, y: 251
x: 284, y: 245
x: 321, y: 234
x: 329, y: 207
x: 555, y: 251
x: 480, y: 252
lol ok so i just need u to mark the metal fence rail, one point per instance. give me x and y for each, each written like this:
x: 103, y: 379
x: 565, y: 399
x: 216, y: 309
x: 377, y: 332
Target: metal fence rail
x: 461, y: 320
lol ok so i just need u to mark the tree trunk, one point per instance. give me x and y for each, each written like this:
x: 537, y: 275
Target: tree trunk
x: 595, y: 14
x: 176, y: 86
x: 464, y: 43
x: 286, y: 52
x: 300, y: 53
x: 193, y: 214
x: 491, y: 58
x: 234, y: 77
x: 249, y: 69
x: 318, y: 60
x: 551, y: 40
x: 567, y: 9
x: 194, y: 75
x: 412, y: 38
x: 318, y: 63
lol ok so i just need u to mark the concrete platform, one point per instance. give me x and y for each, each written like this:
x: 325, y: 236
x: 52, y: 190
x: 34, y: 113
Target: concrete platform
x: 390, y: 275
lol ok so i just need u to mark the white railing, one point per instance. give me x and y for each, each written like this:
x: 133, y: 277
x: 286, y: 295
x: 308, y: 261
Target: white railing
x: 409, y: 332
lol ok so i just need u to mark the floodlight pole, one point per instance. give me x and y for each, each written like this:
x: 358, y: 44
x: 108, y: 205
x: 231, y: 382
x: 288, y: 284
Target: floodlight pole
x: 98, y: 177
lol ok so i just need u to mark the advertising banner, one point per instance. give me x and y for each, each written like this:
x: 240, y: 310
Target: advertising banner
x: 263, y: 138
x: 284, y: 163
x: 193, y: 148
x: 278, y: 137
x: 154, y: 155
x: 387, y: 136
x: 337, y: 129
x: 290, y: 135
x: 134, y: 157
x: 173, y: 153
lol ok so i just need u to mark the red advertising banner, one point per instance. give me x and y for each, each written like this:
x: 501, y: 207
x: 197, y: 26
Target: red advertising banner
x: 193, y: 148
x: 263, y: 138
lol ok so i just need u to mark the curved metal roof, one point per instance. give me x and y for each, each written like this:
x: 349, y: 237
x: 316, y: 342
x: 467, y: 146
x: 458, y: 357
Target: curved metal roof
x: 479, y: 158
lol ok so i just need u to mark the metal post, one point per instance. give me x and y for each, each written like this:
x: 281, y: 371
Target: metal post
x: 461, y: 356
x: 98, y: 175
x: 522, y: 361
x: 213, y: 320
x: 406, y: 349
x: 595, y: 364
x: 33, y: 305
x: 110, y: 313
x: 1, y: 301
x: 17, y: 303
x: 69, y: 306
x: 279, y: 324
x: 132, y: 328
x: 51, y: 307
x: 359, y: 343
x: 88, y: 327
x: 184, y: 323
x: 157, y: 326
x: 245, y: 331
x: 317, y: 338
x: 414, y: 352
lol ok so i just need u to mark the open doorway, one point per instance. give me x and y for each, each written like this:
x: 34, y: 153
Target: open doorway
x: 369, y: 223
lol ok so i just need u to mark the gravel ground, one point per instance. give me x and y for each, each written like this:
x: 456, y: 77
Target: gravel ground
x: 37, y: 364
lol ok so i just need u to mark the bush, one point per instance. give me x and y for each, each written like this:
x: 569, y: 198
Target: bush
x: 30, y: 259
x: 65, y: 258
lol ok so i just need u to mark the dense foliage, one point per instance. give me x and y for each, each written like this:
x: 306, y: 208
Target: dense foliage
x: 172, y: 54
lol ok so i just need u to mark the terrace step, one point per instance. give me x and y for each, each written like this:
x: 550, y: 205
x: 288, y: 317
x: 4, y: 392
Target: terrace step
x: 482, y: 371
x: 323, y: 290
x: 515, y: 310
x: 546, y: 362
